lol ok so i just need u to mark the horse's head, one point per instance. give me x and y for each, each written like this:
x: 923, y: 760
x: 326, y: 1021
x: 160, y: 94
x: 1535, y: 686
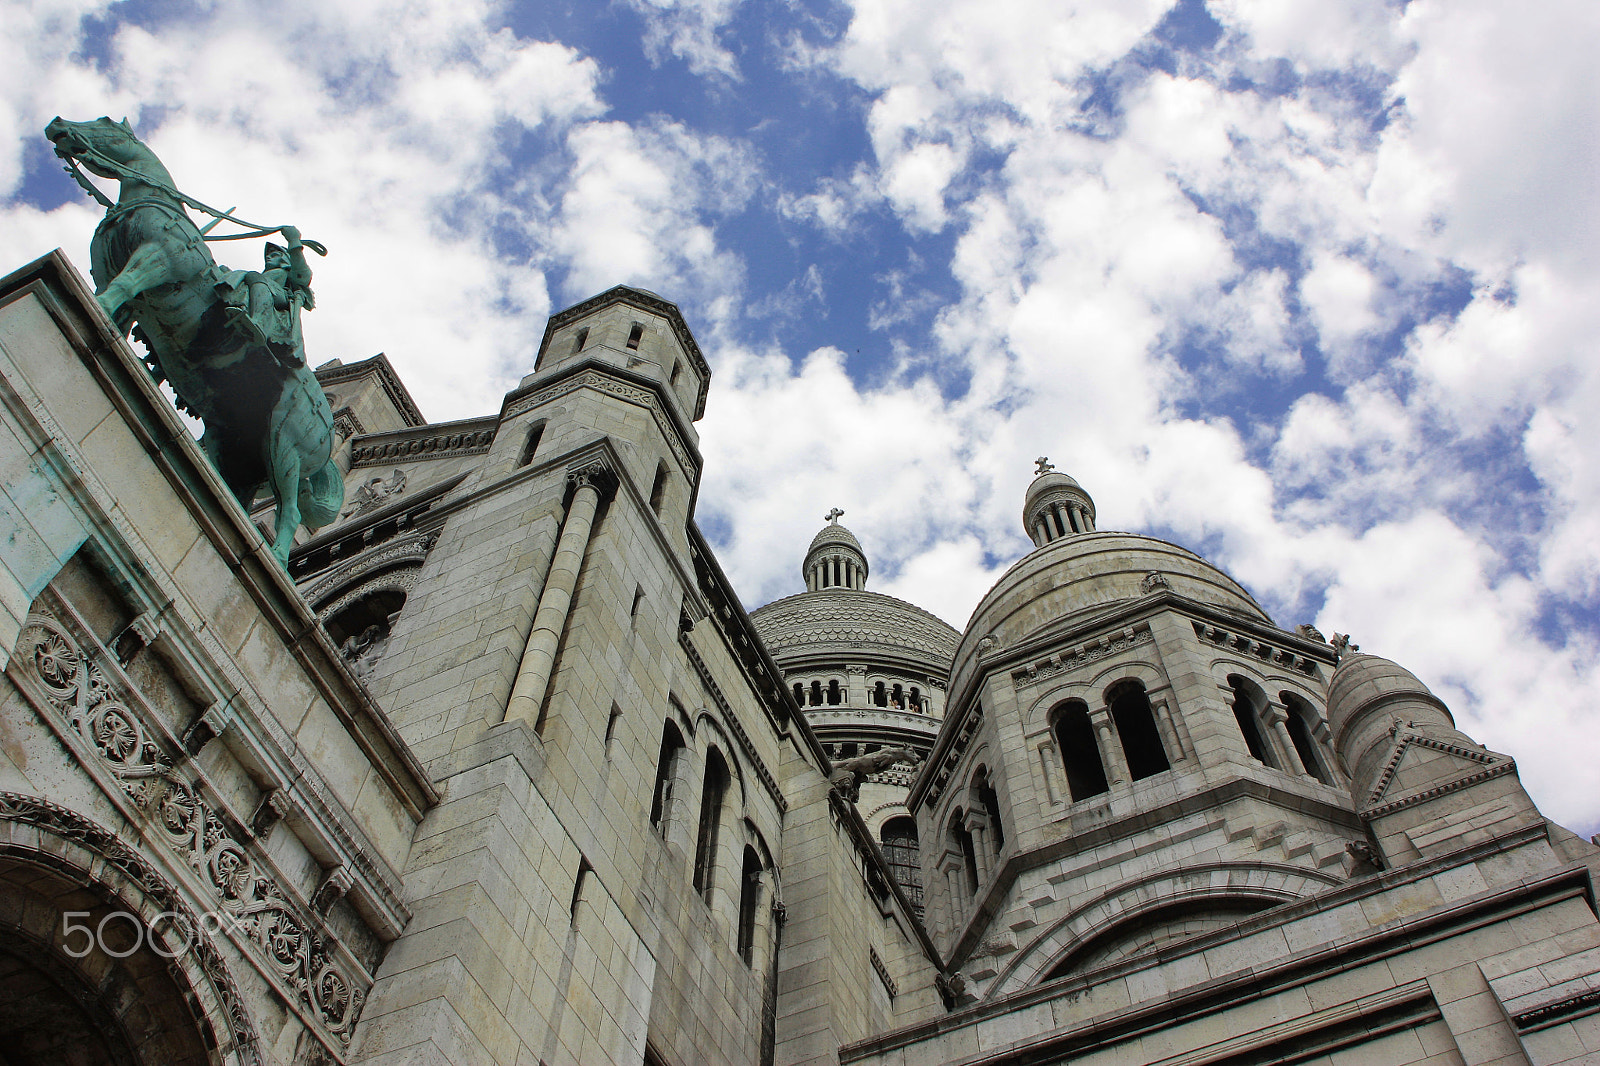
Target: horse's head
x: 92, y: 142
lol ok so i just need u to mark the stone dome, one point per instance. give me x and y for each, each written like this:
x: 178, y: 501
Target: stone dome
x: 854, y: 623
x: 1366, y: 694
x: 835, y: 558
x: 834, y: 534
x: 1044, y: 483
x: 1087, y: 571
x: 1055, y: 505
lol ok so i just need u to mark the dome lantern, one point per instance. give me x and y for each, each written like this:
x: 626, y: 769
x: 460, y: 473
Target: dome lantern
x: 835, y: 558
x: 1056, y: 506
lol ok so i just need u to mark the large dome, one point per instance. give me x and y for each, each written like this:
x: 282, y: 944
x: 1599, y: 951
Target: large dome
x: 1085, y: 571
x: 853, y: 623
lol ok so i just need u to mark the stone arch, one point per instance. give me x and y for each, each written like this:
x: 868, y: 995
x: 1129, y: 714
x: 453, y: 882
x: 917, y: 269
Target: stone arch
x: 1248, y: 701
x: 1145, y: 672
x: 145, y: 1008
x: 718, y: 738
x: 1123, y: 906
x: 395, y: 583
x: 1134, y: 719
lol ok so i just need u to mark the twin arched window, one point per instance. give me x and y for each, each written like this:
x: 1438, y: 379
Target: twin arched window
x: 1084, y: 757
x: 1260, y: 722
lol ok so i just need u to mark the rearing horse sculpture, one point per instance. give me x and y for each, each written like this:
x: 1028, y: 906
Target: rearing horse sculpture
x: 267, y: 420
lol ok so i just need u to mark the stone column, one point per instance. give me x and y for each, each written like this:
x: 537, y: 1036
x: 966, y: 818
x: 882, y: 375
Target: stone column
x: 1277, y: 718
x: 1051, y: 767
x: 955, y: 881
x: 1111, y: 754
x: 533, y: 672
x: 978, y: 829
x: 1324, y: 737
x: 1168, y: 730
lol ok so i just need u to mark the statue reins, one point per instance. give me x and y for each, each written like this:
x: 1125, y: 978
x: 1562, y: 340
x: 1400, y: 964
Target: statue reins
x: 129, y: 174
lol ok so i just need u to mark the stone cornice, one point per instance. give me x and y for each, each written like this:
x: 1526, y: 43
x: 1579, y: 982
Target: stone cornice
x: 393, y: 387
x: 617, y: 383
x: 440, y: 440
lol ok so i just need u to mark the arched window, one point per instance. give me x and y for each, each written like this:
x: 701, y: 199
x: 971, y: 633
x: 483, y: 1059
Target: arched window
x: 880, y: 695
x: 961, y: 842
x: 1080, y: 757
x: 899, y: 836
x: 749, y: 904
x: 531, y: 443
x: 800, y: 693
x: 1301, y: 722
x: 668, y: 765
x: 816, y: 693
x: 916, y: 699
x: 1136, y: 725
x: 711, y: 801
x: 373, y: 609
x: 834, y: 696
x: 1247, y: 705
x: 897, y: 698
x: 989, y: 803
x: 658, y: 489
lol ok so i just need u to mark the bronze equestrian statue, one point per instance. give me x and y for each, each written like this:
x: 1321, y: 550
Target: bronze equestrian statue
x: 228, y: 341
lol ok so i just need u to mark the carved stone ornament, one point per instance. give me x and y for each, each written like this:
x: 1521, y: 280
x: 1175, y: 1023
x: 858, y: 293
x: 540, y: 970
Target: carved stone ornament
x: 374, y: 492
x: 1154, y: 581
x: 1342, y: 645
x: 1310, y: 632
x: 267, y: 921
x: 107, y: 847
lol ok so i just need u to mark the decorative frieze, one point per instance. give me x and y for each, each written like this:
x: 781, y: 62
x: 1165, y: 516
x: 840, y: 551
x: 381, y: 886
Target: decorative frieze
x: 1245, y: 644
x: 952, y: 756
x: 883, y: 973
x: 267, y: 921
x: 1088, y: 652
x: 445, y: 443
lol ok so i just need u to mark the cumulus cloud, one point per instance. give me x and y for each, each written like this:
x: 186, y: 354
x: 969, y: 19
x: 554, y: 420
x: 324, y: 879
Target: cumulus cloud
x: 1311, y: 290
x: 1159, y: 244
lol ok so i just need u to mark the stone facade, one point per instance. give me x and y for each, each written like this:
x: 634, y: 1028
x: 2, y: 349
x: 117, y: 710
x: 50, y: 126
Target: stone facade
x: 500, y: 771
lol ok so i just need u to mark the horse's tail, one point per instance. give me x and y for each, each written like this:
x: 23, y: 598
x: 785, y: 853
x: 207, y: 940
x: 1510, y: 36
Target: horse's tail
x: 321, y: 496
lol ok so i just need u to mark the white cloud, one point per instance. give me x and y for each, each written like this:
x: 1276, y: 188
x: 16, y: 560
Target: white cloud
x: 688, y: 29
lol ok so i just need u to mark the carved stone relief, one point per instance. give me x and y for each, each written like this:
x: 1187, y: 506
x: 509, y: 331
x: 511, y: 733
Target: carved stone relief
x: 266, y: 920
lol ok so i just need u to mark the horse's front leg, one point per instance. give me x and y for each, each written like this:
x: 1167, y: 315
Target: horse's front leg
x: 284, y: 459
x: 147, y: 267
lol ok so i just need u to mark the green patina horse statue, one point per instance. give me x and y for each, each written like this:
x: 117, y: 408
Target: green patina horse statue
x: 227, y: 341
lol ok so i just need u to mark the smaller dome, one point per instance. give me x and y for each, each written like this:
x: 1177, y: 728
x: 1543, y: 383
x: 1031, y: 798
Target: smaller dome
x: 835, y: 558
x: 1366, y: 695
x: 1055, y: 506
x: 1361, y: 680
x: 834, y: 534
x: 1055, y: 479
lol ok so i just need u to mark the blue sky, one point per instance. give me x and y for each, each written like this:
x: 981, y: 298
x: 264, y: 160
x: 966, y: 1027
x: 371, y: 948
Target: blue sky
x: 1309, y: 288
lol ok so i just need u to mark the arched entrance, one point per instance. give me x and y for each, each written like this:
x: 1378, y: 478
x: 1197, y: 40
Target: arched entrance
x: 82, y: 978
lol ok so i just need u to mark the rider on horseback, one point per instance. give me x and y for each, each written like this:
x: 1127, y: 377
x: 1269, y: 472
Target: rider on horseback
x: 265, y: 305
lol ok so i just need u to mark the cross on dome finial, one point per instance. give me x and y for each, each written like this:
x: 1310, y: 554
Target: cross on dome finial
x: 833, y: 516
x: 1045, y: 466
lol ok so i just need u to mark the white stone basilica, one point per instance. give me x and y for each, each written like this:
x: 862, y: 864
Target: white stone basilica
x: 501, y: 772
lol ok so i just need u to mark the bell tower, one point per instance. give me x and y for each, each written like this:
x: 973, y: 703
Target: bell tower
x: 1132, y: 752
